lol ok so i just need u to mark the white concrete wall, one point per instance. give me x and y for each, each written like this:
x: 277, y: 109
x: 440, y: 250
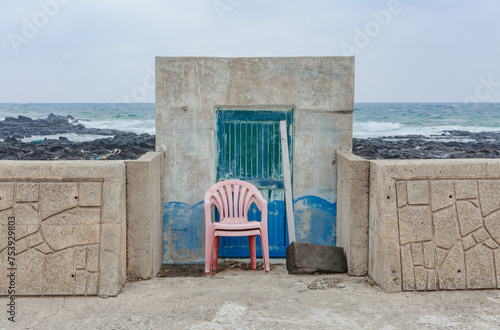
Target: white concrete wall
x: 144, y: 216
x: 188, y: 89
x: 352, y: 211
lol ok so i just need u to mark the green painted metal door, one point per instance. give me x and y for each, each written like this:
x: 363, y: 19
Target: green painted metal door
x: 249, y: 148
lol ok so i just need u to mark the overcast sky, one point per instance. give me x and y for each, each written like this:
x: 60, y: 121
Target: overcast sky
x: 104, y: 51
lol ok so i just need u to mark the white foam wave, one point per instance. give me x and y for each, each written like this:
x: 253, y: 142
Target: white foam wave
x: 375, y: 129
x: 70, y: 136
x: 379, y: 129
x: 128, y: 125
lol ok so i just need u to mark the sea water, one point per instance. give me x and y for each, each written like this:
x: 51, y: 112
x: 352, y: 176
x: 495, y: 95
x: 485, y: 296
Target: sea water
x: 427, y: 119
x: 370, y: 119
x: 130, y: 117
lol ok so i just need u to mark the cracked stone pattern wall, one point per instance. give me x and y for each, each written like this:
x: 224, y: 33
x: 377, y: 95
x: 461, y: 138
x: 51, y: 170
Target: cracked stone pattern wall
x: 449, y: 234
x: 58, y: 228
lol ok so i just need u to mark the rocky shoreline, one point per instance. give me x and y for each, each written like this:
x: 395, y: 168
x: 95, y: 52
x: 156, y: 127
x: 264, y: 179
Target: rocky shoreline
x: 120, y: 145
x: 25, y: 127
x: 448, y: 144
x: 125, y: 145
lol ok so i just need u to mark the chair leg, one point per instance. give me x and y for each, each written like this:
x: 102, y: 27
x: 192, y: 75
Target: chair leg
x: 265, y: 250
x: 253, y: 252
x: 215, y: 255
x: 209, y: 236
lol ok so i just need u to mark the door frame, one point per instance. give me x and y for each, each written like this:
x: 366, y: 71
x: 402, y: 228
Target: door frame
x: 291, y: 148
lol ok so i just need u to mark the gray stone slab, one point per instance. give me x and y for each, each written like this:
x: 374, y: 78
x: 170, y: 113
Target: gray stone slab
x: 27, y: 192
x: 415, y: 223
x: 418, y: 192
x: 480, y: 268
x: 401, y: 193
x: 466, y: 189
x: 408, y: 280
x: 442, y: 194
x: 307, y: 258
x: 446, y: 231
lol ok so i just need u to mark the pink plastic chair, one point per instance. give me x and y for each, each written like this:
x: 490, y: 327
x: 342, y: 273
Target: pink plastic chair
x: 233, y: 199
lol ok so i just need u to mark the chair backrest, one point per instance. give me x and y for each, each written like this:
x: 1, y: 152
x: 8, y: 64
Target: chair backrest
x: 233, y: 199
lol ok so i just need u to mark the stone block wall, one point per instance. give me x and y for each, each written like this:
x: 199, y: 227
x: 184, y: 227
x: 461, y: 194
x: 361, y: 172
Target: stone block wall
x: 352, y: 212
x: 70, y: 227
x: 435, y: 224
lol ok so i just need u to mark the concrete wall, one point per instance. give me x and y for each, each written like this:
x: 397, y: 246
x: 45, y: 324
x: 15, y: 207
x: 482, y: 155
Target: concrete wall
x: 435, y: 224
x: 70, y: 226
x: 319, y: 89
x: 352, y: 213
x: 144, y: 216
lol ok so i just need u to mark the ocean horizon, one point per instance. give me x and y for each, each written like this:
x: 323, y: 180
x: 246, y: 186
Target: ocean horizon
x: 370, y: 120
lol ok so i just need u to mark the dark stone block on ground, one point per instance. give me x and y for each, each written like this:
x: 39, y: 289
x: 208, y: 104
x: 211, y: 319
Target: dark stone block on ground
x: 307, y: 258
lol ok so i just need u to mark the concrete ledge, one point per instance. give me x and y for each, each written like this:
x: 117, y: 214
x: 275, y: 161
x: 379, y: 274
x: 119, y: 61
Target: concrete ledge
x: 63, y: 169
x: 70, y: 226
x: 144, y: 216
x: 352, y: 211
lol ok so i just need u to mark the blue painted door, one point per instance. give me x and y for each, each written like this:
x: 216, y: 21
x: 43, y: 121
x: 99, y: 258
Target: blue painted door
x: 249, y: 148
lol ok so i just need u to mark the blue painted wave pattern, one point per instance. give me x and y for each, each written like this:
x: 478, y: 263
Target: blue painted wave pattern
x: 315, y: 220
x: 183, y: 233
x: 184, y: 228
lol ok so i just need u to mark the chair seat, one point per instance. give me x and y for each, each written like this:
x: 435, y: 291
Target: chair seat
x: 239, y: 226
x: 237, y: 233
x: 234, y: 220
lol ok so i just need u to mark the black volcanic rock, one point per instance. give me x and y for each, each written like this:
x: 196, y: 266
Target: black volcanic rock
x: 23, y: 118
x: 130, y: 147
x: 448, y: 144
x: 120, y: 145
x: 53, y: 124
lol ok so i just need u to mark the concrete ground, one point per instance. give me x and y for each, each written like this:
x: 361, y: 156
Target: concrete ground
x: 249, y: 300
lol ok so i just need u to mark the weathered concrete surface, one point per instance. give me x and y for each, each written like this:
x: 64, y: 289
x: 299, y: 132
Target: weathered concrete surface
x: 69, y: 226
x: 306, y: 258
x: 189, y: 88
x: 435, y: 224
x: 320, y: 91
x: 274, y: 301
x: 318, y: 136
x: 144, y: 216
x: 352, y: 211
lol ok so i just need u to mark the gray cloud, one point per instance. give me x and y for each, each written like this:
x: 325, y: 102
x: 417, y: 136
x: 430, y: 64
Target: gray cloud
x: 98, y: 51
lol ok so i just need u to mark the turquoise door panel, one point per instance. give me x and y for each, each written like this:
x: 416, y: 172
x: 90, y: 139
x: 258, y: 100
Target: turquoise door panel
x: 249, y: 148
